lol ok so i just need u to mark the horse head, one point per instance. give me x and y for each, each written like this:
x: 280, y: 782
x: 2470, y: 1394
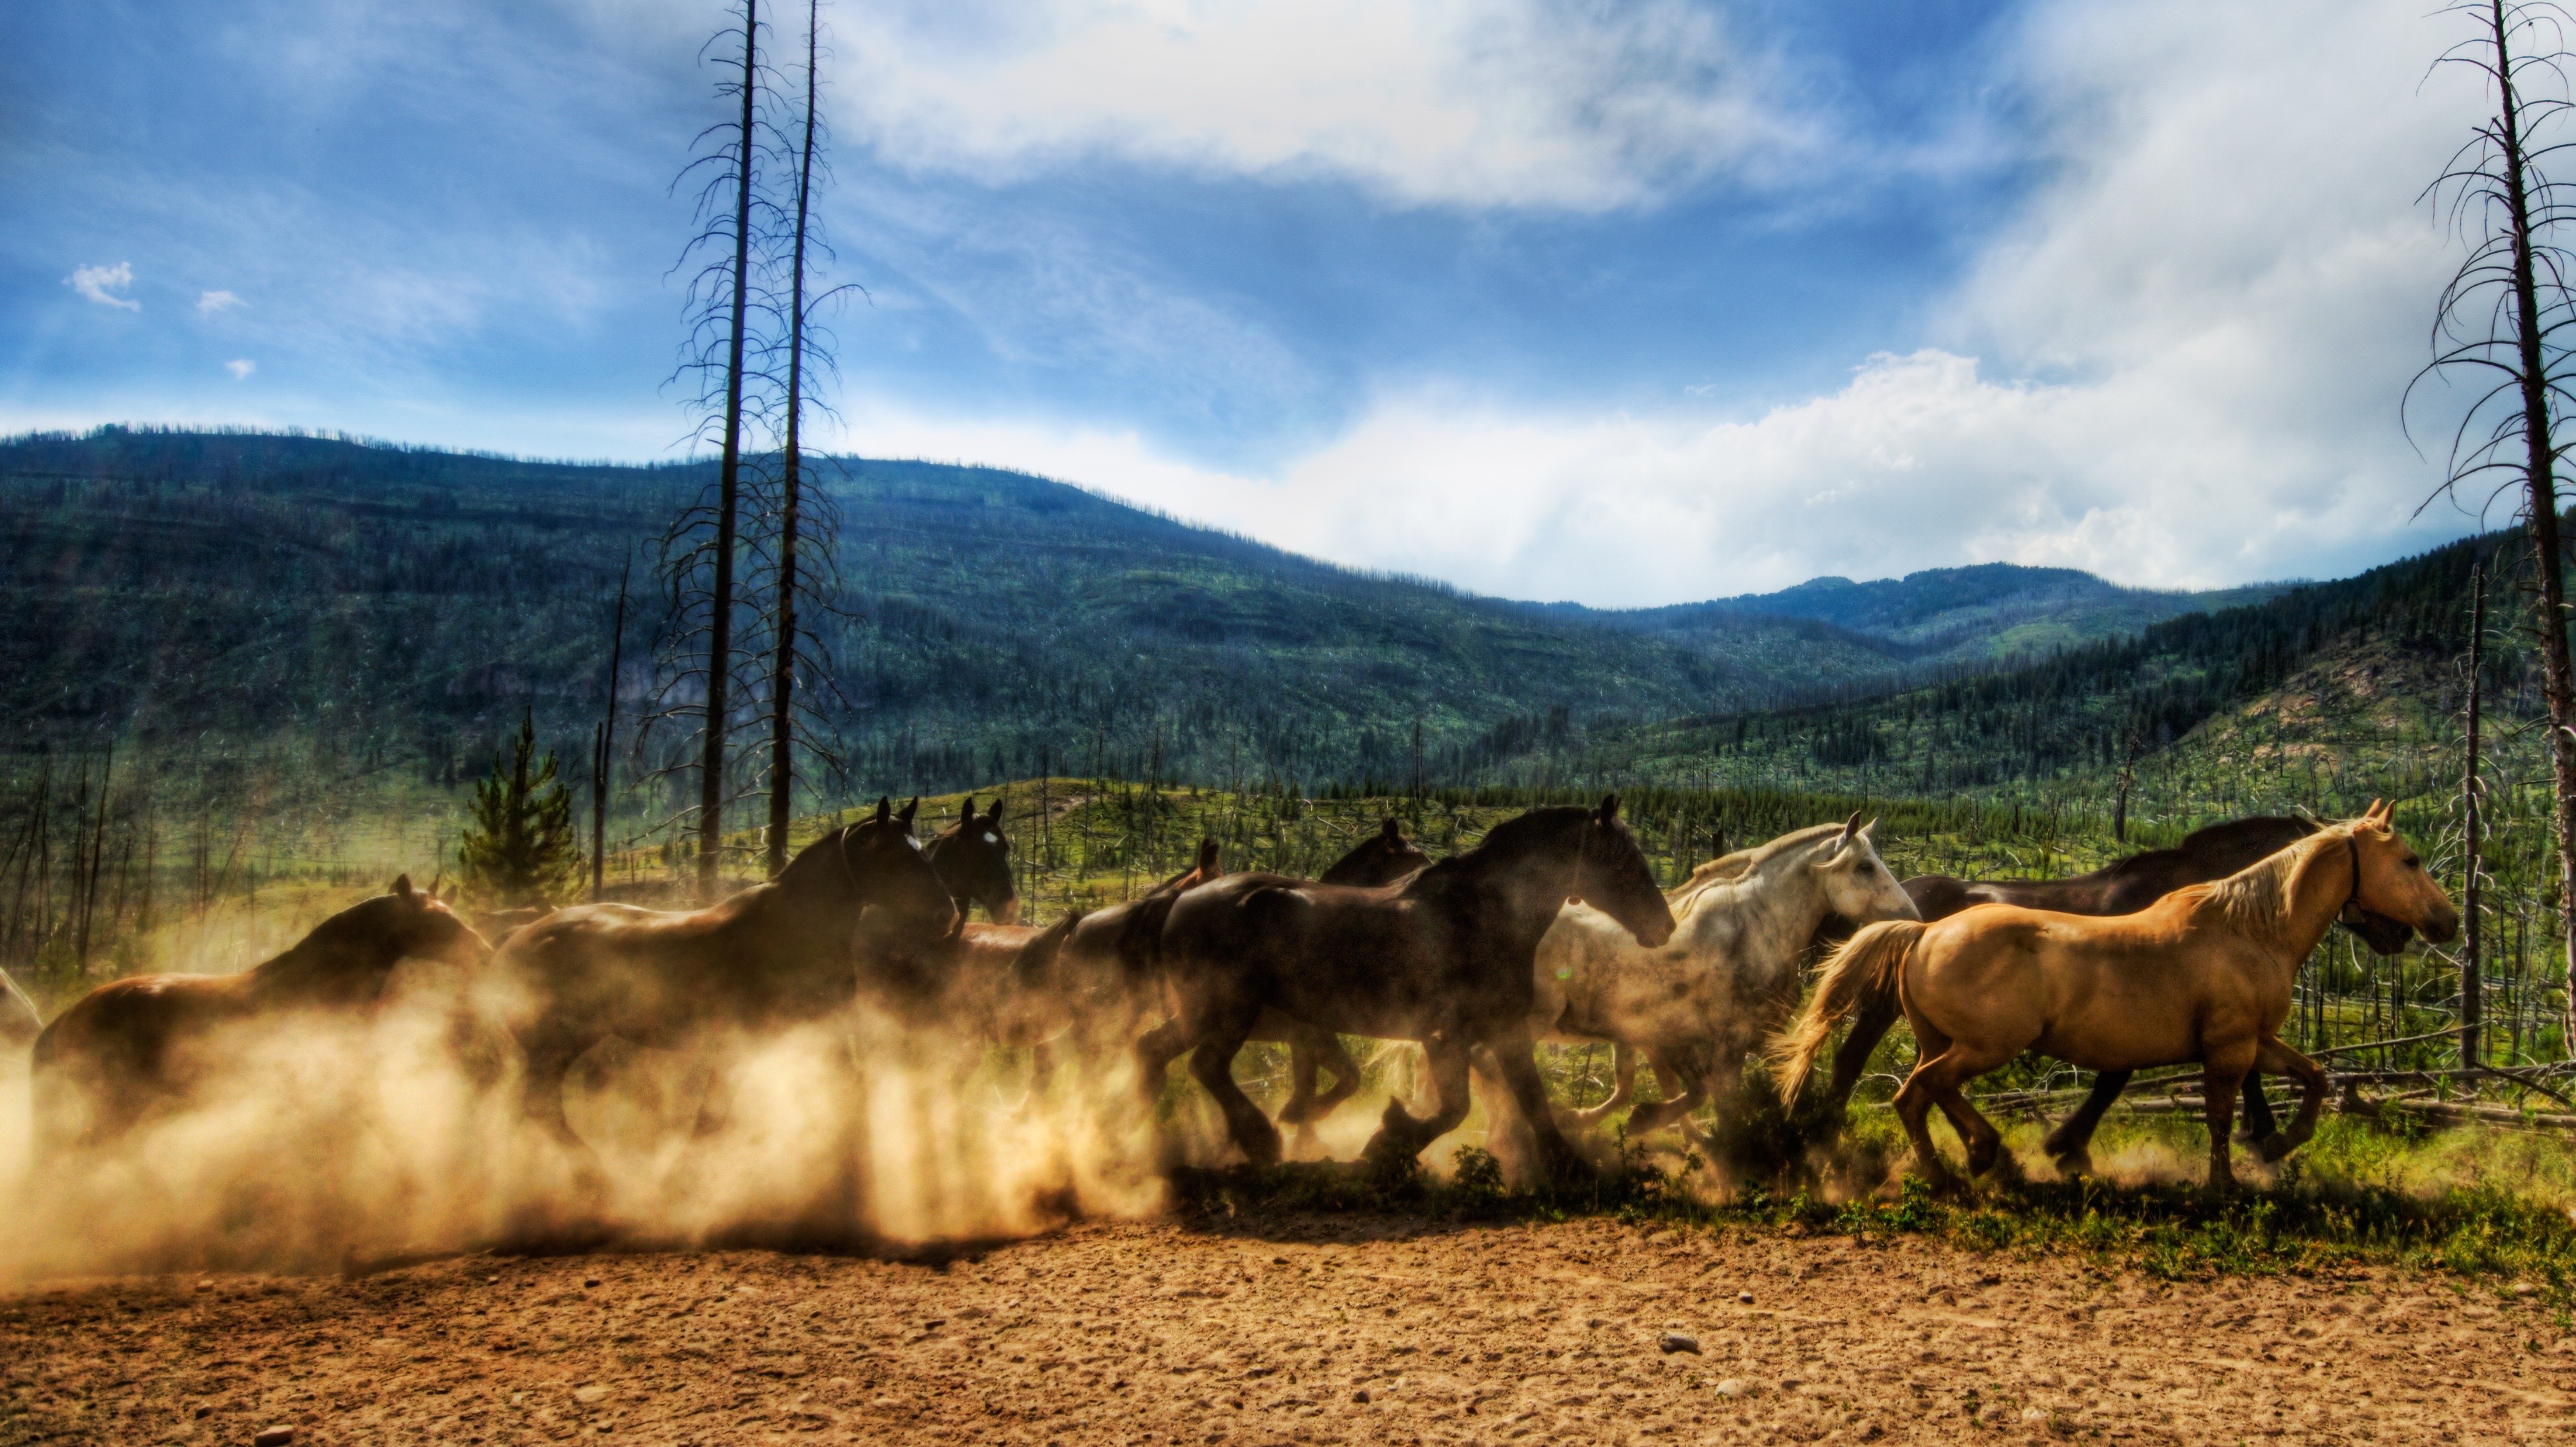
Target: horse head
x: 1611, y: 875
x: 1858, y: 885
x: 873, y: 864
x: 1383, y: 858
x: 973, y: 858
x: 2391, y: 880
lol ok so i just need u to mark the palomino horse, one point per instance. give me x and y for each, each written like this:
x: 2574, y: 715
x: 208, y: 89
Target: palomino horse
x: 20, y: 1020
x: 1443, y: 957
x: 973, y: 857
x: 2204, y: 974
x: 2123, y: 886
x: 134, y: 1044
x: 774, y: 954
x: 1726, y: 980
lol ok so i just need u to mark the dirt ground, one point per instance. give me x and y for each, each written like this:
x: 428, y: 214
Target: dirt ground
x: 1299, y: 1329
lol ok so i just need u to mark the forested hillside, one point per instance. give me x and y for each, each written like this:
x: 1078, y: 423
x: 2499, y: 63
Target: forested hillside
x: 383, y: 608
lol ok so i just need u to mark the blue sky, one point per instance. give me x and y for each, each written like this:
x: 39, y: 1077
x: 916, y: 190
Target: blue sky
x: 1625, y: 303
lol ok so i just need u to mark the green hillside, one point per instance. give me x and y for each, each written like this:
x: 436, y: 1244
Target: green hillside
x: 388, y: 610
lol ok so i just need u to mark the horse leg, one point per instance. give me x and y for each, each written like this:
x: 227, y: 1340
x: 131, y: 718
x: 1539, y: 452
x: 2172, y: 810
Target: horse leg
x: 1400, y: 1137
x: 1346, y: 1072
x: 2221, y: 1071
x: 1156, y: 1049
x: 1623, y: 1089
x: 1869, y: 1026
x: 1516, y: 1054
x: 2070, y: 1144
x: 1914, y: 1102
x: 2280, y: 1059
x: 2258, y: 1123
x: 1684, y: 1088
x: 1212, y: 1062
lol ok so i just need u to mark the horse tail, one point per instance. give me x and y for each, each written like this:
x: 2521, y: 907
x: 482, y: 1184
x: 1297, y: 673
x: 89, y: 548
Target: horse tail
x: 1865, y: 966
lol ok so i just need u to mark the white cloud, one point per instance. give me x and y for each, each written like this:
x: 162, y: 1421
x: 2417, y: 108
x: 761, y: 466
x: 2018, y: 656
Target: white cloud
x: 1470, y: 102
x: 241, y: 368
x: 212, y: 302
x: 2180, y: 367
x: 100, y: 283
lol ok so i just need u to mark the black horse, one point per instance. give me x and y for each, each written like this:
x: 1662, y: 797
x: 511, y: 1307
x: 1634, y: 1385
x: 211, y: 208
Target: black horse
x: 973, y: 857
x: 1444, y: 957
x: 772, y: 955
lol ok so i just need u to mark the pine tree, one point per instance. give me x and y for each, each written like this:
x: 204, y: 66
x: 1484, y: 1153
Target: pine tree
x: 521, y: 848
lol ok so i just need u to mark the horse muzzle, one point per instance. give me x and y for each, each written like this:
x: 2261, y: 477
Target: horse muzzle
x: 1005, y: 911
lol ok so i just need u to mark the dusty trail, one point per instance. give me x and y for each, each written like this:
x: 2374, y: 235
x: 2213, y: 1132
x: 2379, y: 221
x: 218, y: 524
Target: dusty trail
x: 1175, y: 1333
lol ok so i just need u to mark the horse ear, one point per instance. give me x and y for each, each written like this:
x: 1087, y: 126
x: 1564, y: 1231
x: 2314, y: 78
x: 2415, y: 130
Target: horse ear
x: 1207, y: 859
x: 1391, y: 830
x: 967, y: 815
x: 1866, y: 828
x: 1609, y: 807
x: 402, y: 888
x: 904, y: 815
x: 1851, y: 826
x: 885, y: 809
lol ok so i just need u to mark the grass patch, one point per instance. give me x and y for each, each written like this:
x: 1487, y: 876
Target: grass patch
x: 2474, y: 1204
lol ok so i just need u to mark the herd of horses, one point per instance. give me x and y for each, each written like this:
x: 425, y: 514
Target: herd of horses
x: 1551, y: 928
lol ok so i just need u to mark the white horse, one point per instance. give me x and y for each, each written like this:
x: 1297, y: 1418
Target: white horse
x: 1728, y: 979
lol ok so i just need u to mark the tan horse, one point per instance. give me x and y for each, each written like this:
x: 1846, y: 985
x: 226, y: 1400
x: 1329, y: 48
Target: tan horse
x: 2204, y: 974
x: 133, y: 1045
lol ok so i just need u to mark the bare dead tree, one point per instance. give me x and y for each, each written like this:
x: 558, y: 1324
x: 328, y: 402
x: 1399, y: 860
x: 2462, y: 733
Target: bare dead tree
x: 700, y: 551
x: 782, y: 686
x: 2501, y: 321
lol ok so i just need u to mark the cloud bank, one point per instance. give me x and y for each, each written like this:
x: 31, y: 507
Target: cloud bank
x: 2178, y: 366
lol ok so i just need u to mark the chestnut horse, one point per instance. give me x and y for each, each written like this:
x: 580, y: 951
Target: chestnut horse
x: 772, y: 955
x: 2204, y: 974
x: 131, y: 1045
x: 2123, y: 886
x: 1443, y: 957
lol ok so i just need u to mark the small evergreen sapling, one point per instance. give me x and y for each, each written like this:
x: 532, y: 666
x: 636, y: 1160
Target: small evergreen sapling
x: 520, y: 848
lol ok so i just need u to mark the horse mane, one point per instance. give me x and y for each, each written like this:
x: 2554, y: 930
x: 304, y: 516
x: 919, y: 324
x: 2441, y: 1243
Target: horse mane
x: 1507, y: 840
x: 337, y: 943
x: 1743, y: 863
x: 2255, y: 901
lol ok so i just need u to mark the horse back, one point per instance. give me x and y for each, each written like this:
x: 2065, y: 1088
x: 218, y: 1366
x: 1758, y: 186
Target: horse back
x: 127, y: 1028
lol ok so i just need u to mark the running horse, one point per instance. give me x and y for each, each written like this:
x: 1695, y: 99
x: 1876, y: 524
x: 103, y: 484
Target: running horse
x: 2203, y: 974
x: 1443, y: 957
x: 775, y: 954
x: 2123, y: 886
x: 135, y: 1045
x: 973, y: 857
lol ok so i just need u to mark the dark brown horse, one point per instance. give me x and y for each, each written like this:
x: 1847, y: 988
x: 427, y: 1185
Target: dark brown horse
x: 1382, y: 858
x: 132, y: 1045
x: 973, y: 857
x: 1443, y: 957
x: 2124, y: 886
x: 772, y: 955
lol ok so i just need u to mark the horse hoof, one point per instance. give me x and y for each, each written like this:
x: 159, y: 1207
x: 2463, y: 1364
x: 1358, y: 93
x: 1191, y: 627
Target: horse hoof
x: 2075, y: 1164
x: 2004, y: 1167
x: 2272, y: 1147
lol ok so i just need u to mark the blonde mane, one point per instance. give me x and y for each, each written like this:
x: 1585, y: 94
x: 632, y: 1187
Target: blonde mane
x: 1728, y: 868
x: 2255, y: 901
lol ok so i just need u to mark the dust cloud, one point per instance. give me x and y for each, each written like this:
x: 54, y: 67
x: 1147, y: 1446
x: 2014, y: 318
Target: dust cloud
x: 311, y: 1143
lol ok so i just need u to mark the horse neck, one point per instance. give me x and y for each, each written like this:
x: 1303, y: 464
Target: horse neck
x: 2307, y: 891
x: 317, y: 963
x: 1783, y: 900
x: 1538, y: 872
